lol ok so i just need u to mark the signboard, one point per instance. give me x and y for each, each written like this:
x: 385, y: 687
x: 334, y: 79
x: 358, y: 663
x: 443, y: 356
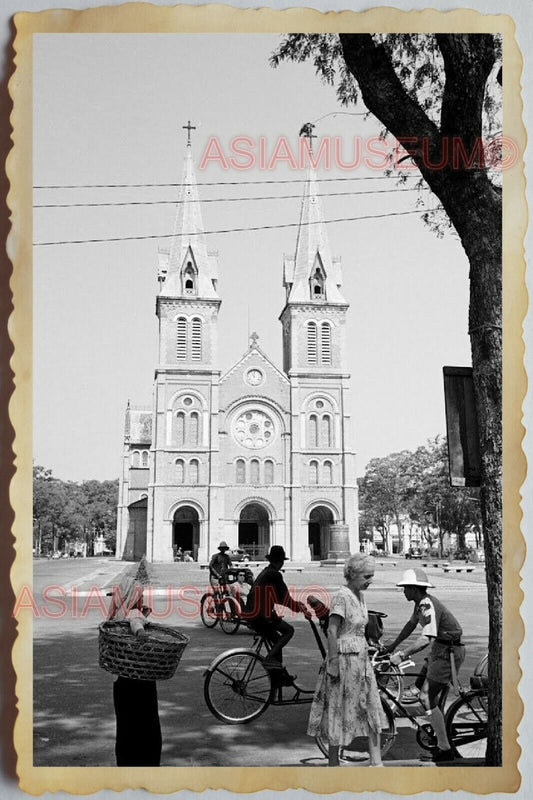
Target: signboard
x: 461, y: 426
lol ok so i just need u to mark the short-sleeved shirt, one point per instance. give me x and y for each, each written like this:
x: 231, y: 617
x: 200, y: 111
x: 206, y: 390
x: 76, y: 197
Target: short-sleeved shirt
x: 268, y: 589
x: 436, y: 621
x: 219, y: 564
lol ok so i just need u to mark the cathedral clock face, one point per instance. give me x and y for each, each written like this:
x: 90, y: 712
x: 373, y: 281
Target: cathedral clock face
x: 254, y: 429
x: 254, y: 377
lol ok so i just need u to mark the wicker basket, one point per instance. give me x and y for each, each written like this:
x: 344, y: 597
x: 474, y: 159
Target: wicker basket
x: 153, y: 657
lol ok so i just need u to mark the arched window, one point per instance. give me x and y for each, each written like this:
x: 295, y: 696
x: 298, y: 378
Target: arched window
x: 311, y: 342
x: 317, y: 285
x: 181, y: 342
x: 326, y: 431
x: 180, y: 470
x: 254, y: 471
x: 135, y: 458
x: 180, y: 428
x: 313, y: 430
x: 325, y: 343
x: 240, y: 471
x: 269, y: 471
x: 328, y: 472
x: 194, y: 470
x: 313, y: 473
x: 196, y: 341
x: 144, y: 458
x: 193, y: 437
x: 189, y: 279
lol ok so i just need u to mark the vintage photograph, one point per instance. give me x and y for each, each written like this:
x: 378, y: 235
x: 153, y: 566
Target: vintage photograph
x: 267, y: 400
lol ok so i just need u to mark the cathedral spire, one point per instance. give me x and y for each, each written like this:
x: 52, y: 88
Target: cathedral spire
x: 314, y: 274
x: 187, y: 268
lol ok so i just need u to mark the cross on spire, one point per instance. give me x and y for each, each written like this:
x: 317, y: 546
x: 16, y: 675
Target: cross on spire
x: 188, y: 127
x: 253, y: 339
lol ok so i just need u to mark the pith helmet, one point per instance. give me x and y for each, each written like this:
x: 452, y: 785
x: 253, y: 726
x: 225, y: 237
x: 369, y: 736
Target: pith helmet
x: 223, y: 546
x: 414, y: 577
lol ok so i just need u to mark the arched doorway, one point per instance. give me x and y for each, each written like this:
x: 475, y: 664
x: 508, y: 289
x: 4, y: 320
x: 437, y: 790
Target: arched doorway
x: 135, y: 547
x: 320, y: 520
x: 186, y: 531
x: 254, y: 530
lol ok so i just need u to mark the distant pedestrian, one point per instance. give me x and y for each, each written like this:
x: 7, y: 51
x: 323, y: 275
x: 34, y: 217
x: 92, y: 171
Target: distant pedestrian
x: 346, y: 702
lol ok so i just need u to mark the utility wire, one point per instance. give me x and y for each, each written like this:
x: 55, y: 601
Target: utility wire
x: 234, y: 230
x: 216, y: 183
x: 226, y: 199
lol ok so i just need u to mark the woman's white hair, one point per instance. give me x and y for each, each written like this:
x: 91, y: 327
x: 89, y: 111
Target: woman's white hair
x: 356, y: 564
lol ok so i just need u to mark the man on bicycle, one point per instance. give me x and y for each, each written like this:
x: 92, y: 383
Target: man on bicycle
x: 269, y: 589
x: 443, y: 632
x: 219, y: 565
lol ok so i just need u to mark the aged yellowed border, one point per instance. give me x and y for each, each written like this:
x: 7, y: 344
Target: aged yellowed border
x: 141, y: 18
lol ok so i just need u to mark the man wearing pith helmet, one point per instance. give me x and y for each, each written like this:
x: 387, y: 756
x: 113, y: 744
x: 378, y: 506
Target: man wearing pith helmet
x: 219, y: 565
x: 441, y: 630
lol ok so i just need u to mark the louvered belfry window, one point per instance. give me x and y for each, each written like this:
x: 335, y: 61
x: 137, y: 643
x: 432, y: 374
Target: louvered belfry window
x: 196, y: 341
x: 181, y: 344
x: 312, y: 342
x: 325, y: 343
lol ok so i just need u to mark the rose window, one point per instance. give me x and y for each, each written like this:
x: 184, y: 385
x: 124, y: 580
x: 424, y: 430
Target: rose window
x: 254, y: 429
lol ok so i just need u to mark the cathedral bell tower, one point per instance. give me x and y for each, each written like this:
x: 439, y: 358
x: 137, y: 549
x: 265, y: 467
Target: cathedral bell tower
x: 324, y: 491
x: 186, y: 383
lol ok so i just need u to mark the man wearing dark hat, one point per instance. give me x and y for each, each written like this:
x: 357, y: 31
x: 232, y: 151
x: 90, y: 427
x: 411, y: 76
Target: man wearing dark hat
x: 269, y: 589
x: 443, y: 632
x: 219, y: 565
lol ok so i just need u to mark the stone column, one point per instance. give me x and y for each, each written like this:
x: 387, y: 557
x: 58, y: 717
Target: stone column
x: 339, y: 543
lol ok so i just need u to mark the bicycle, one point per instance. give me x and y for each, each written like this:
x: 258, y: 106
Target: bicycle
x: 467, y: 717
x: 238, y: 689
x: 219, y: 606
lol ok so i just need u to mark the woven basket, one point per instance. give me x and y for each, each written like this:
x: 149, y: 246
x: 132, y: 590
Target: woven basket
x: 153, y: 657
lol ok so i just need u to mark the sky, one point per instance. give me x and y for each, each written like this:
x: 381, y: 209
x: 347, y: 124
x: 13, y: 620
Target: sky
x: 109, y: 109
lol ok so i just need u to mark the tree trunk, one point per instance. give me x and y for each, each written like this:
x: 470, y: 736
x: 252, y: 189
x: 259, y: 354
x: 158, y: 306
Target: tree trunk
x: 474, y: 207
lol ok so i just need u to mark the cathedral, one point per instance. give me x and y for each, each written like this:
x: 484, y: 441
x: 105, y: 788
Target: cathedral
x: 258, y: 455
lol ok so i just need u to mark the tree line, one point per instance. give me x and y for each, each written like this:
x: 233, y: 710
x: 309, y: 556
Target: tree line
x: 66, y: 513
x: 412, y: 488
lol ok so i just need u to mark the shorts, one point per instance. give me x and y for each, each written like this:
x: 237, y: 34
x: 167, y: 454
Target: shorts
x: 439, y: 668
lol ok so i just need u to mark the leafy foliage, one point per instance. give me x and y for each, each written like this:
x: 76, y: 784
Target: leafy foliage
x: 414, y: 486
x: 65, y: 512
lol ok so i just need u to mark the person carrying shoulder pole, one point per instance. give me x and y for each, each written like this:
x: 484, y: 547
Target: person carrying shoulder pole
x: 441, y: 630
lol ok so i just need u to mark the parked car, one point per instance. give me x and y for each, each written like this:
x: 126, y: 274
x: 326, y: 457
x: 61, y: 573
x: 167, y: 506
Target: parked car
x: 414, y: 552
x: 238, y: 554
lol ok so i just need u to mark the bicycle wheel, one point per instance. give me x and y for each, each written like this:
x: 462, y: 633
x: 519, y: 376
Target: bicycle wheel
x: 237, y: 687
x: 208, y: 611
x: 229, y: 619
x: 356, y: 753
x: 389, y: 677
x: 466, y: 725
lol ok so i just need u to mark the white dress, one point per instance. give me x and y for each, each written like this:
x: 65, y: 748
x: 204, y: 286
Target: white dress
x: 351, y: 706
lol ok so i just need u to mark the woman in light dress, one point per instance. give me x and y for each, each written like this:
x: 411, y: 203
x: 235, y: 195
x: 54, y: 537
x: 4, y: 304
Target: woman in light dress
x: 346, y: 703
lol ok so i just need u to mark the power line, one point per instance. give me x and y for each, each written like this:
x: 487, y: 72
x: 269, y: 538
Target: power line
x: 234, y: 230
x: 226, y: 199
x: 216, y: 183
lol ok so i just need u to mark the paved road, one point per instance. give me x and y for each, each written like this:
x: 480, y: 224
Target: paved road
x: 74, y: 718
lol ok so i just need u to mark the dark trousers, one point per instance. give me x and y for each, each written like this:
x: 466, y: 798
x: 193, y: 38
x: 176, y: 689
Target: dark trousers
x: 138, y: 741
